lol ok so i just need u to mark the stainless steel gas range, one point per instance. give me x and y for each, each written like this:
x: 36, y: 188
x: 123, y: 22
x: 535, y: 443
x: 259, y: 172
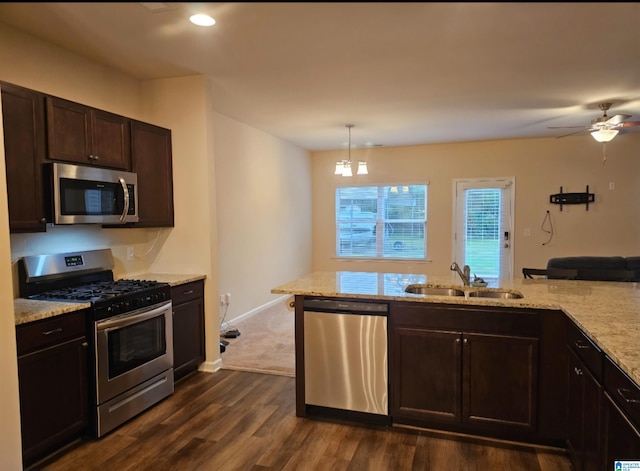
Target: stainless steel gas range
x: 129, y: 327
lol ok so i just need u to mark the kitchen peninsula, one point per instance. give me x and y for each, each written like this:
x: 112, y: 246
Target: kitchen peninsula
x: 526, y: 340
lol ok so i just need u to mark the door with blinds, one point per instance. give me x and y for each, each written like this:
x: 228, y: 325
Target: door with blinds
x: 483, y: 226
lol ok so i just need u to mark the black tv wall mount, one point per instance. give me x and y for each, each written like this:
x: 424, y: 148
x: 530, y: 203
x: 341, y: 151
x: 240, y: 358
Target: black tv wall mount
x: 572, y: 198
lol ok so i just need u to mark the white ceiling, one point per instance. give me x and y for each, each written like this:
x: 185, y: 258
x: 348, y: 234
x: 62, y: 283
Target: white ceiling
x: 403, y: 73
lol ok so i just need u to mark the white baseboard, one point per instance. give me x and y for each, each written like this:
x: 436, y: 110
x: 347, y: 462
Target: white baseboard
x: 210, y: 366
x: 252, y: 312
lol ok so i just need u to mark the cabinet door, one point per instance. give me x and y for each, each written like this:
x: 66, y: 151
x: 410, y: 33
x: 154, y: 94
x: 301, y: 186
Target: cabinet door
x: 592, y: 406
x: 583, y: 416
x: 151, y: 159
x: 24, y: 145
x: 621, y: 438
x: 500, y: 381
x: 188, y: 337
x: 426, y: 375
x: 53, y: 397
x: 80, y: 134
x: 68, y: 131
x: 111, y: 140
x: 575, y: 411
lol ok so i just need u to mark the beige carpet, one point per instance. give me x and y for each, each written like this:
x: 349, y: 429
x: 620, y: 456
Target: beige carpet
x: 266, y: 342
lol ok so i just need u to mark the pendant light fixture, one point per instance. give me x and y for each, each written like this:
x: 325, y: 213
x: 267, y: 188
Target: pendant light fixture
x: 343, y: 167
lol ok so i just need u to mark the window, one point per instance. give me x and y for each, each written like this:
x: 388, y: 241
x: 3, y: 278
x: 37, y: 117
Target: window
x: 381, y: 221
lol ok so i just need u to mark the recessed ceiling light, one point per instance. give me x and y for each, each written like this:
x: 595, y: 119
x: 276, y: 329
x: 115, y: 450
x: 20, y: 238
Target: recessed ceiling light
x: 202, y: 20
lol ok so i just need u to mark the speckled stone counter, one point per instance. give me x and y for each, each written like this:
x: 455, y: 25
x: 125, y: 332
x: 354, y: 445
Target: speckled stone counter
x: 29, y: 310
x: 172, y: 279
x: 608, y: 312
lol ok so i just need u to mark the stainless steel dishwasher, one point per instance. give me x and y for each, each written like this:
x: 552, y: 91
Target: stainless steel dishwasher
x: 345, y: 355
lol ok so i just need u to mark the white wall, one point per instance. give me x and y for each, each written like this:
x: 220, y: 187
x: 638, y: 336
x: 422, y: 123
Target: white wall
x: 183, y: 105
x: 611, y: 226
x: 264, y: 213
x: 10, y: 443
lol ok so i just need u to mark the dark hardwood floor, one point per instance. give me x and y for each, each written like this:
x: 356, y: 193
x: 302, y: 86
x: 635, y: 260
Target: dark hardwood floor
x: 233, y: 420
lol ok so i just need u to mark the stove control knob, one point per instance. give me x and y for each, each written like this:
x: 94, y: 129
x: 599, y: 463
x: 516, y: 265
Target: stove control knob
x: 115, y: 308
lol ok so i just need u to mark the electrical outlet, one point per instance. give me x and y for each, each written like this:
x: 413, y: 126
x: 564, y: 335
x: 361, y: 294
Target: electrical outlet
x: 612, y: 185
x: 527, y: 231
x: 227, y: 298
x: 130, y: 253
x: 222, y: 300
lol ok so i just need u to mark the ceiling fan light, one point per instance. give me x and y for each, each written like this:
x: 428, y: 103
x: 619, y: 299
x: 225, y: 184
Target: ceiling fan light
x: 362, y: 168
x: 604, y: 135
x: 201, y: 19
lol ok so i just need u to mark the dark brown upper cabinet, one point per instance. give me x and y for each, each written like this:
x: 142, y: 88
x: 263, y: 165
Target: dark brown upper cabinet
x: 24, y: 145
x: 83, y: 135
x: 151, y: 159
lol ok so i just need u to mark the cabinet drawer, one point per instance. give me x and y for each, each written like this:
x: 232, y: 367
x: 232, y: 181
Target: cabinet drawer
x: 41, y: 334
x: 183, y: 293
x: 624, y: 391
x: 586, y: 350
x: 493, y: 320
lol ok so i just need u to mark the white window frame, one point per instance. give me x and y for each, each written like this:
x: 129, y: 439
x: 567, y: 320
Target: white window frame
x: 380, y: 224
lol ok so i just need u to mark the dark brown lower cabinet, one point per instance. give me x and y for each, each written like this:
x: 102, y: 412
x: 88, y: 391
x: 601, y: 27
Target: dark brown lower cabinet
x: 621, y: 437
x: 583, y: 416
x: 621, y: 417
x: 188, y: 327
x: 52, y: 378
x: 484, y: 380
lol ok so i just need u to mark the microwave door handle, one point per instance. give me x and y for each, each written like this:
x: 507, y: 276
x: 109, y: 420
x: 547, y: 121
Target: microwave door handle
x: 125, y: 210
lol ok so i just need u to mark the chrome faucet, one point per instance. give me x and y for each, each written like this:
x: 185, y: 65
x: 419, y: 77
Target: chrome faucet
x: 465, y: 273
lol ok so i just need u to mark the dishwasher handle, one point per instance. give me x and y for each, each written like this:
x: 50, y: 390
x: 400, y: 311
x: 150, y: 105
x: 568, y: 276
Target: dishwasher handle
x: 351, y: 307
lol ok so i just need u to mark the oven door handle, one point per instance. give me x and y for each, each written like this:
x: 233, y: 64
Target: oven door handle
x: 127, y: 319
x: 126, y: 198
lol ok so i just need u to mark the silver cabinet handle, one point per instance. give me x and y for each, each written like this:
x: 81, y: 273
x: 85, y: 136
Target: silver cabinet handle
x: 623, y: 392
x: 581, y: 344
x: 188, y: 292
x: 54, y: 331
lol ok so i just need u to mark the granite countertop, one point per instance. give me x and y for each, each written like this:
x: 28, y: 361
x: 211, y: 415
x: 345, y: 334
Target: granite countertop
x: 29, y: 310
x: 608, y: 312
x: 172, y: 279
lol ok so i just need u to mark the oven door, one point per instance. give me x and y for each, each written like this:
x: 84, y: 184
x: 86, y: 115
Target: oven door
x: 131, y: 348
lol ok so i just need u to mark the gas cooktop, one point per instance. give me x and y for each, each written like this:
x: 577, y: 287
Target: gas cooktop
x: 98, y: 291
x: 87, y: 276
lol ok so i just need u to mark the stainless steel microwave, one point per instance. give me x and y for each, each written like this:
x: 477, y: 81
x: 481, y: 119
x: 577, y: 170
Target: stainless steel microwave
x: 91, y: 195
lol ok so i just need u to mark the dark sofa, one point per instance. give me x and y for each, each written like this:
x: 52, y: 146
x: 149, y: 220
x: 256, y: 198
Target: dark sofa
x: 594, y: 268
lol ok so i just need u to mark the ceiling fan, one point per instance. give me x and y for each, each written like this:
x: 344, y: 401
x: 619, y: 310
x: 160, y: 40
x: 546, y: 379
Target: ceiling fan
x: 604, y: 128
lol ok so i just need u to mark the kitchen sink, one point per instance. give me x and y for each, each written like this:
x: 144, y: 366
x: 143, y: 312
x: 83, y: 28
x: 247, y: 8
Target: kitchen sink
x: 495, y: 294
x: 433, y: 290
